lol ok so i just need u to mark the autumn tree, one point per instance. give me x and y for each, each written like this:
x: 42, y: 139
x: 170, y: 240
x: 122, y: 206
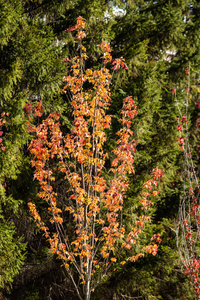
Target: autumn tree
x: 188, y: 225
x: 93, y: 201
x: 31, y: 69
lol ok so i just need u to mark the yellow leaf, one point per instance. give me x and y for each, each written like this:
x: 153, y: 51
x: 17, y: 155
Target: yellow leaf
x: 113, y: 259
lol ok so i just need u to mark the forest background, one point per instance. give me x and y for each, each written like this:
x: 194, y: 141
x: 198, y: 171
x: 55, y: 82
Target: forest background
x: 159, y: 41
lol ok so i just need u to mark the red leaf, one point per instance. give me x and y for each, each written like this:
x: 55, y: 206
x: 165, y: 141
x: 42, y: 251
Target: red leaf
x: 71, y: 28
x: 116, y: 67
x: 124, y: 66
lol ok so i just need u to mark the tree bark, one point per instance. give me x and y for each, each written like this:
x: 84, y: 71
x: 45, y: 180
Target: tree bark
x: 87, y: 290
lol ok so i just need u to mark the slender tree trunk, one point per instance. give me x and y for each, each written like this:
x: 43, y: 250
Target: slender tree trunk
x: 87, y: 290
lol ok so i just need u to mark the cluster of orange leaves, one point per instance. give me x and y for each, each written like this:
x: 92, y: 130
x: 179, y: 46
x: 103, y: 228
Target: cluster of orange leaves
x: 94, y: 204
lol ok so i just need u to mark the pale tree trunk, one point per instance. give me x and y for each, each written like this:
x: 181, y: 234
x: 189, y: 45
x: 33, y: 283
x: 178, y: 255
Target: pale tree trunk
x: 87, y: 290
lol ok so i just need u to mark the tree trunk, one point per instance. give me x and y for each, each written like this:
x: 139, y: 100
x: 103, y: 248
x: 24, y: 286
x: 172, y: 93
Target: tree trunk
x: 87, y: 290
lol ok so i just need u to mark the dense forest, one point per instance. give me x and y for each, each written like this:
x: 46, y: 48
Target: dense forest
x: 99, y: 149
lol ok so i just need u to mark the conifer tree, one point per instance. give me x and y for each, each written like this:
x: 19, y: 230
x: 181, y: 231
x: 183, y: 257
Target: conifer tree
x: 30, y: 69
x: 157, y: 41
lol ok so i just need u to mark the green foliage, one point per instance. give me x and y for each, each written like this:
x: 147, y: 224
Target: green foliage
x: 10, y: 14
x: 11, y: 252
x: 144, y: 35
x: 31, y: 69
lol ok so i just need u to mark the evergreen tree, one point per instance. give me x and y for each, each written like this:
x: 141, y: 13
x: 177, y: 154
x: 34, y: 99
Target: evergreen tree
x: 31, y: 69
x: 158, y: 43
